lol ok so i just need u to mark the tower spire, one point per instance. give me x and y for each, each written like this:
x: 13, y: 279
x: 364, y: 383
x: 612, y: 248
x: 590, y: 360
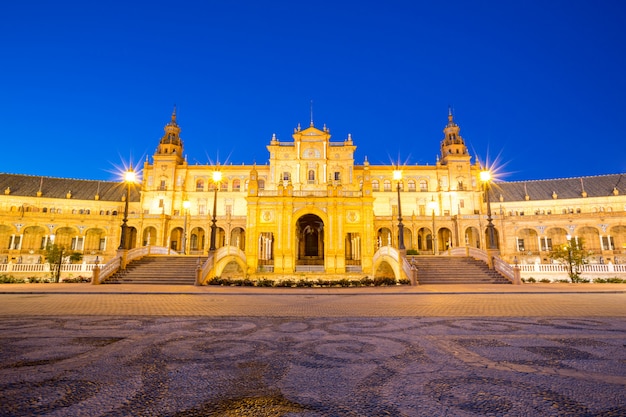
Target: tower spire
x: 311, y: 113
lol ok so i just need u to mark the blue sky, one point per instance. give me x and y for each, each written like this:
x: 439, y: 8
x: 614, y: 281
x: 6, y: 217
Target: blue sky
x: 89, y: 85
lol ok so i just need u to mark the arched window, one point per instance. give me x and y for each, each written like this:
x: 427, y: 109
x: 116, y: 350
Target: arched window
x: 261, y: 184
x: 375, y: 185
x: 411, y: 185
x: 200, y: 185
x: 236, y: 185
x: 311, y: 176
x: 423, y: 185
x: 224, y: 186
x: 387, y: 185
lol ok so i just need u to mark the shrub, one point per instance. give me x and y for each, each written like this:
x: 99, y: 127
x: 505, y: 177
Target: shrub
x: 10, y: 279
x: 78, y: 279
x: 530, y: 279
x: 381, y: 281
x: 412, y: 252
x: 545, y: 280
x: 367, y: 281
x: 264, y: 282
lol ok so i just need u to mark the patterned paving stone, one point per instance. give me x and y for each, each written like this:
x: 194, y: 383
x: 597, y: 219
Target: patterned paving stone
x: 312, y: 366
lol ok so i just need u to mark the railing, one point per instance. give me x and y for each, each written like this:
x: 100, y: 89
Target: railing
x: 504, y: 268
x: 406, y: 267
x: 46, y: 267
x: 386, y: 251
x: 109, y: 269
x: 562, y: 268
x: 207, y: 265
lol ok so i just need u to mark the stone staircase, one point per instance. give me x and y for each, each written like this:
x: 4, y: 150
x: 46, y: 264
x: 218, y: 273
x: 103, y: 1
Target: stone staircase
x: 159, y: 269
x: 455, y: 270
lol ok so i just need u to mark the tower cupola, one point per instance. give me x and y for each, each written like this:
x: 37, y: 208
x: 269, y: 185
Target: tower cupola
x: 170, y: 143
x: 452, y: 145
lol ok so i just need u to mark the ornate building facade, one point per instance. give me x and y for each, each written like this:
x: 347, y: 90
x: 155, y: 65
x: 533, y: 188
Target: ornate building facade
x: 313, y: 208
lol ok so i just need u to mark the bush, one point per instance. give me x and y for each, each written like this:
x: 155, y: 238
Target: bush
x: 9, y: 279
x: 305, y: 283
x: 412, y: 252
x: 381, y: 281
x: 530, y: 279
x: 545, y: 280
x: 78, y: 279
x: 614, y: 280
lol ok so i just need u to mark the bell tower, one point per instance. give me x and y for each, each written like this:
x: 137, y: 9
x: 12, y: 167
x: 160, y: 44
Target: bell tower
x: 453, y: 147
x: 171, y: 145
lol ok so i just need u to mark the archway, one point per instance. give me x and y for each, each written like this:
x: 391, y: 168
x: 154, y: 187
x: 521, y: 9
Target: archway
x: 472, y: 237
x: 149, y: 236
x: 310, y: 240
x: 176, y: 239
x: 238, y: 238
x: 34, y: 238
x: 95, y: 240
x: 63, y: 237
x: 384, y: 270
x: 444, y: 239
x: 527, y: 241
x: 384, y: 237
x: 197, y: 239
x: 424, y: 239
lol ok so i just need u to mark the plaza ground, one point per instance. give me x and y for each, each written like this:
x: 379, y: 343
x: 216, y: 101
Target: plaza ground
x: 118, y: 350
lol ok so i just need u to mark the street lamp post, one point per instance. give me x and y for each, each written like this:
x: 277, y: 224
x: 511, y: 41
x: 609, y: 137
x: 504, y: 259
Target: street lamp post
x: 485, y: 177
x: 433, y: 206
x: 217, y: 178
x: 186, y: 205
x: 129, y: 178
x: 397, y: 175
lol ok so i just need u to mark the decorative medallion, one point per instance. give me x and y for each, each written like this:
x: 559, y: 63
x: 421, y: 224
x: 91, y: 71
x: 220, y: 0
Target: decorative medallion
x: 352, y: 216
x: 266, y: 216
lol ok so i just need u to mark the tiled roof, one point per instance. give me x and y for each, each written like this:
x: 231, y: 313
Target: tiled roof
x: 596, y: 186
x: 28, y: 185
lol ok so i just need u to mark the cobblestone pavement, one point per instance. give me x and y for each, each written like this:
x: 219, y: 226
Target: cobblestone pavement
x: 313, y: 354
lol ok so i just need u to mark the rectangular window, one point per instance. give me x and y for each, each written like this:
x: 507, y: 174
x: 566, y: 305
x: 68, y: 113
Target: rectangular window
x: 77, y: 243
x: 202, y: 209
x: 161, y: 204
x: 607, y: 243
x: 103, y: 243
x: 462, y: 203
x: 337, y: 176
x: 520, y: 245
x: 546, y: 244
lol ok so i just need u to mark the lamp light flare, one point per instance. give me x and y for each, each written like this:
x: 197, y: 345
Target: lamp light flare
x: 217, y: 176
x: 130, y: 176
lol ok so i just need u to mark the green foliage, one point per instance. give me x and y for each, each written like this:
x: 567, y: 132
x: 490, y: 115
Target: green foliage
x: 56, y: 254
x: 613, y: 280
x: 305, y: 283
x: 10, y: 279
x: 573, y: 255
x: 412, y: 252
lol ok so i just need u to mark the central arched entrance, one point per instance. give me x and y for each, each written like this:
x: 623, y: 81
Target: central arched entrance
x: 310, y: 238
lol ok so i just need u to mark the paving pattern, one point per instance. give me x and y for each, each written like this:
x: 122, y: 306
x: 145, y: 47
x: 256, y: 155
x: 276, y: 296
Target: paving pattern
x: 306, y: 362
